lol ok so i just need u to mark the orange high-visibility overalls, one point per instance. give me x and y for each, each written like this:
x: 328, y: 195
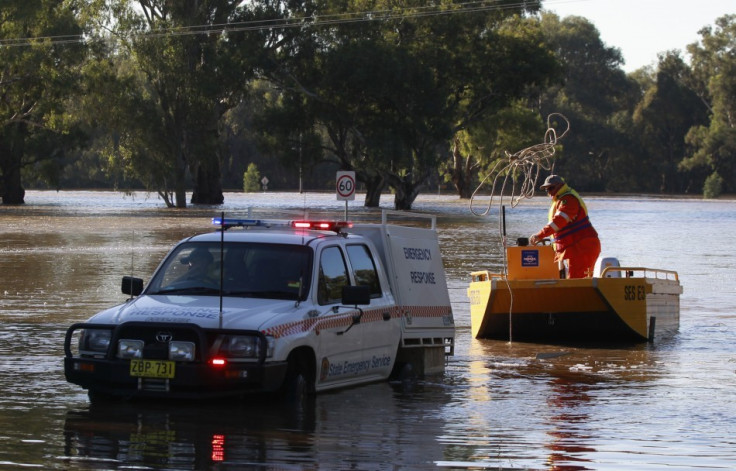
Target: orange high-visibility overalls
x: 574, y: 237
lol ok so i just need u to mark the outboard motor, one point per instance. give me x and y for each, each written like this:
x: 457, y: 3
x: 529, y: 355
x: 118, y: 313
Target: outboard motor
x: 604, y: 262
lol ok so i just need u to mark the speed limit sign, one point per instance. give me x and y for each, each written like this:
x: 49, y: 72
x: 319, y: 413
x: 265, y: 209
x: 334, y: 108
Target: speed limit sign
x: 345, y: 186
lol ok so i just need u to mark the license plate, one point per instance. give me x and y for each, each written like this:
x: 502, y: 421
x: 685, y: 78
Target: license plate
x: 152, y: 368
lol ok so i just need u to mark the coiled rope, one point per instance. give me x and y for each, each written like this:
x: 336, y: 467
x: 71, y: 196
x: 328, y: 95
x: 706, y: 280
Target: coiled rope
x: 523, y: 166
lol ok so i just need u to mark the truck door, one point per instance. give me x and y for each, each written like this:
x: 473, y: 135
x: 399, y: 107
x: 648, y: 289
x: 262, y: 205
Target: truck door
x: 382, y: 331
x: 340, y: 353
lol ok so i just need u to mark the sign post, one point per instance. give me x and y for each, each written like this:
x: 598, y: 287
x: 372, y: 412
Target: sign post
x: 345, y: 188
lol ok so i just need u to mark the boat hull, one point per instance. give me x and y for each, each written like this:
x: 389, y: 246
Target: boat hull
x: 605, y: 309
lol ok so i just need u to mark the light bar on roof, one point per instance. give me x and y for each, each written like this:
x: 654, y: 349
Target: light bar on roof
x: 322, y: 225
x: 335, y: 226
x: 236, y: 222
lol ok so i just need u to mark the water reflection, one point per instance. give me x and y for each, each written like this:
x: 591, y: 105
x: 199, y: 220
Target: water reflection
x: 520, y: 396
x: 569, y: 437
x: 188, y: 436
x: 330, y: 432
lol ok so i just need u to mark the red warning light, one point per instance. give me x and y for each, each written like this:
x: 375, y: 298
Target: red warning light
x: 322, y: 225
x: 218, y: 447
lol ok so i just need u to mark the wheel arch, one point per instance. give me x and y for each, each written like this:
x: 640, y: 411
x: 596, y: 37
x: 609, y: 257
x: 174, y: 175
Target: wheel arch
x: 301, y: 374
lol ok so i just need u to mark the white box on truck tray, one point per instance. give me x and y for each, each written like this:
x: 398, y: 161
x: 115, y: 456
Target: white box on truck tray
x: 413, y: 262
x: 416, y: 274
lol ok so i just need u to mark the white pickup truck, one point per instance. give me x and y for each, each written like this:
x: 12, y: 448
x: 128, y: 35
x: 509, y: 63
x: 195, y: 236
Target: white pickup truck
x: 261, y: 305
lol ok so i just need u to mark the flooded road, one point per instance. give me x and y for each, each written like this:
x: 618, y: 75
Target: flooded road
x: 669, y: 405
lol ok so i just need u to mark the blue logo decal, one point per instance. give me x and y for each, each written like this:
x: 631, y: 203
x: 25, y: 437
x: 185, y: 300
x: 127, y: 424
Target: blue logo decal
x: 529, y: 258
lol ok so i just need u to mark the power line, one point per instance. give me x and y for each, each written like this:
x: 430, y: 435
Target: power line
x: 283, y: 23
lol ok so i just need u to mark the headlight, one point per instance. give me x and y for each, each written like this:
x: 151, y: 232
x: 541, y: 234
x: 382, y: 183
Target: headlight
x: 95, y: 340
x: 181, y: 351
x: 242, y: 346
x: 128, y: 348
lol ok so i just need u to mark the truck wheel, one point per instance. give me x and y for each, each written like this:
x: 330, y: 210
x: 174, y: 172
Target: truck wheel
x: 403, y: 372
x: 96, y: 397
x: 299, y: 382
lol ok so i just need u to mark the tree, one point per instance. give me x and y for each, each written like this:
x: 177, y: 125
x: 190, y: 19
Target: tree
x: 252, y: 179
x: 125, y: 124
x: 183, y: 70
x: 38, y: 73
x: 335, y: 103
x: 388, y: 95
x: 477, y: 150
x: 714, y: 80
x: 593, y: 92
x: 664, y: 116
x: 481, y: 64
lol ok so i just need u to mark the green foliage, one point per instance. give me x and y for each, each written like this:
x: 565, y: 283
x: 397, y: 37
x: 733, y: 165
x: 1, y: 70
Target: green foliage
x: 162, y: 96
x: 252, y: 179
x: 713, y: 186
x: 593, y: 91
x: 38, y: 80
x: 173, y: 90
x: 713, y: 79
x: 387, y: 96
x: 668, y: 110
x: 489, y: 142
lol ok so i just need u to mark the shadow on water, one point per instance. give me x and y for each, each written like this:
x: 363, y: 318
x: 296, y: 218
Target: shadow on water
x: 572, y: 363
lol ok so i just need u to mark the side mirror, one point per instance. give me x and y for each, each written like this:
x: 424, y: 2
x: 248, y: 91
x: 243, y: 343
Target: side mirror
x: 132, y: 286
x: 354, y: 295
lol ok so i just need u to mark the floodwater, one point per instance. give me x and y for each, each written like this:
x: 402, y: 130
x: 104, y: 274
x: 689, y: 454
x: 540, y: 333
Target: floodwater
x: 499, y: 405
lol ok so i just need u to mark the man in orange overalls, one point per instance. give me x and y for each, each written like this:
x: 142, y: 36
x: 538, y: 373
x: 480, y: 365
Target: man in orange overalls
x: 574, y: 237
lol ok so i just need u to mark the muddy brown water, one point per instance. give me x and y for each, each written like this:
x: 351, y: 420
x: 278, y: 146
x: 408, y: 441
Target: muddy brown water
x: 499, y: 405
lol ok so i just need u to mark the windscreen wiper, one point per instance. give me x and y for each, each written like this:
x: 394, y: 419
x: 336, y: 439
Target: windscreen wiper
x: 189, y: 290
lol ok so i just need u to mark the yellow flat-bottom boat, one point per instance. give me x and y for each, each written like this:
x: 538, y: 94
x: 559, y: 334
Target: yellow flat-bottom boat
x: 532, y: 303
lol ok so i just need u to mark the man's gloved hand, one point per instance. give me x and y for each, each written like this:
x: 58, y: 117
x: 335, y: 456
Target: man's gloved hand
x: 534, y: 240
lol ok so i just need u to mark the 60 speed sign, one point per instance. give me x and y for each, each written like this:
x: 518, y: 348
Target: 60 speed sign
x: 345, y: 186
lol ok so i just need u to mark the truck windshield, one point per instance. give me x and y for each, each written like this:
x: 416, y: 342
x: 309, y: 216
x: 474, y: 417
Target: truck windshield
x: 275, y: 271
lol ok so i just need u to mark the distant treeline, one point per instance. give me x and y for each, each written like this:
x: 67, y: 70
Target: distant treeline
x: 198, y: 97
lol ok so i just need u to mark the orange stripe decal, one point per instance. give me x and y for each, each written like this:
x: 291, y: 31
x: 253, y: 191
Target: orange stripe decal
x: 344, y: 319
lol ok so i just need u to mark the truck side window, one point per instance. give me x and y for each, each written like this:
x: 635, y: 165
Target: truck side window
x: 333, y: 275
x: 364, y: 268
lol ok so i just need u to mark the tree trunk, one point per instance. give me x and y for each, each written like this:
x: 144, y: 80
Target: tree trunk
x: 207, y: 183
x: 180, y: 192
x: 12, y: 189
x: 403, y: 199
x: 374, y: 185
x: 11, y: 156
x: 461, y: 172
x: 406, y: 191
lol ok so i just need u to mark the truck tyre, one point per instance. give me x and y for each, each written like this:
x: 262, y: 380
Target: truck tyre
x: 96, y: 397
x: 299, y: 381
x: 403, y: 372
